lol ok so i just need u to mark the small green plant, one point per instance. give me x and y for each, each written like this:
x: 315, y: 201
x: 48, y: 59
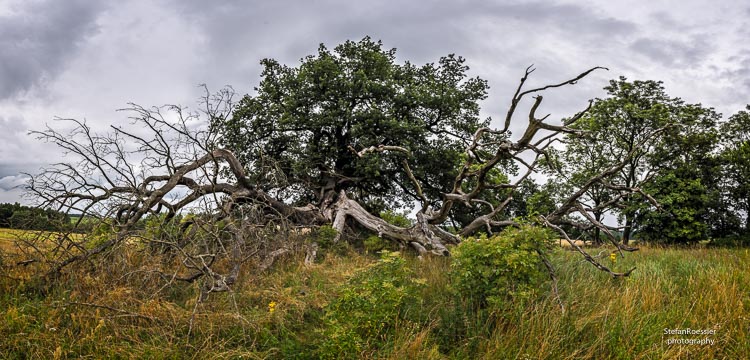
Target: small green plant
x: 100, y: 234
x: 324, y: 236
x: 502, y: 269
x: 369, y: 308
x: 732, y: 241
x: 395, y: 218
x: 374, y: 243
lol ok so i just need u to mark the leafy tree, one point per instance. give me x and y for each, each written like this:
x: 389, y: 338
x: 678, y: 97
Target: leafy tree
x: 683, y: 217
x: 530, y: 198
x: 678, y: 169
x: 736, y: 156
x: 686, y: 178
x: 6, y: 211
x: 301, y: 133
x: 583, y: 157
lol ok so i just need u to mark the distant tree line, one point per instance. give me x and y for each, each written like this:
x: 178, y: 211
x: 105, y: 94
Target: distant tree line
x: 17, y: 216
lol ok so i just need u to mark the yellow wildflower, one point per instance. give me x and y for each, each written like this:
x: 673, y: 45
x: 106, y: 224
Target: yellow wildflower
x: 272, y: 307
x: 613, y: 257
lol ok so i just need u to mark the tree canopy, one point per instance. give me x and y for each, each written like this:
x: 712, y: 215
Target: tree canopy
x: 305, y: 131
x: 676, y: 169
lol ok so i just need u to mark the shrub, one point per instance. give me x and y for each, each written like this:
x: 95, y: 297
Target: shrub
x: 370, y: 306
x: 731, y: 241
x: 395, y: 218
x: 324, y: 236
x: 374, y: 243
x: 500, y: 270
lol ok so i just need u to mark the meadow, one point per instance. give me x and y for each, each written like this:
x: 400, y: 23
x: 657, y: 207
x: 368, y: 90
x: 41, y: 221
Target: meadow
x: 353, y: 304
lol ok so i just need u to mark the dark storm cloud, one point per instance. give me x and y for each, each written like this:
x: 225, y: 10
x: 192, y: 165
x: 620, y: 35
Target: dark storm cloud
x: 38, y: 38
x: 498, y: 39
x: 11, y: 182
x: 434, y: 29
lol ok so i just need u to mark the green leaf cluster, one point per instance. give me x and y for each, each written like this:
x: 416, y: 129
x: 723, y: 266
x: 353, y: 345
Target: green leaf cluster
x: 299, y: 134
x: 503, y: 269
x: 369, y: 307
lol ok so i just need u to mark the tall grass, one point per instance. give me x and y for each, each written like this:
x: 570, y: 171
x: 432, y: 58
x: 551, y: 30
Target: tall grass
x: 625, y: 318
x: 116, y: 308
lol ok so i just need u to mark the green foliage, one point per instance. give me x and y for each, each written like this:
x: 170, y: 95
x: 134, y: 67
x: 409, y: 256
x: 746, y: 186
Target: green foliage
x: 502, y: 269
x: 100, y: 233
x: 158, y: 227
x: 395, y: 218
x: 736, y: 159
x: 369, y: 307
x: 541, y: 201
x: 17, y: 216
x: 618, y: 130
x: 297, y: 133
x: 465, y: 213
x: 324, y: 236
x: 528, y: 199
x: 730, y: 241
x: 374, y: 243
x: 682, y: 219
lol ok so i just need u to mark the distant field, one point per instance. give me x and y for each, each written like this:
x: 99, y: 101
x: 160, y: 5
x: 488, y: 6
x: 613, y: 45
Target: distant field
x: 9, y: 236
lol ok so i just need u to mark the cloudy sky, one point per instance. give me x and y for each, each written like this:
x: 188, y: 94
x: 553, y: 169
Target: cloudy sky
x: 85, y: 59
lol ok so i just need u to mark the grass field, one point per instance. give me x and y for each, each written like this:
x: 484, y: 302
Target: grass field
x: 116, y: 309
x: 8, y: 237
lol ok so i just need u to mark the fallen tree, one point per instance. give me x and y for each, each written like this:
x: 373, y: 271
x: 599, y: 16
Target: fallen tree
x: 172, y: 162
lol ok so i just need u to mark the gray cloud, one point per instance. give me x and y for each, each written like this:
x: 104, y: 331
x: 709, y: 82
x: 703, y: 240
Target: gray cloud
x: 12, y: 196
x: 14, y: 129
x: 673, y: 52
x: 39, y: 38
x: 8, y: 183
x: 499, y: 39
x: 737, y: 74
x: 81, y: 59
x: 239, y: 35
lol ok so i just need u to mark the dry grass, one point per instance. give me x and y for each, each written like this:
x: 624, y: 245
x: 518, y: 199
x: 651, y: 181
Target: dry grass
x: 8, y: 238
x: 115, y: 307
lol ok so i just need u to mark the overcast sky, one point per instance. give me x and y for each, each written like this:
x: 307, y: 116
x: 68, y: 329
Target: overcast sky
x: 85, y: 59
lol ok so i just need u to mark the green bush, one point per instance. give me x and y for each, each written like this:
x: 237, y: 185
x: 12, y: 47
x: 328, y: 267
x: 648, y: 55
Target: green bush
x: 374, y: 243
x: 501, y: 270
x: 731, y: 241
x: 395, y: 218
x: 370, y: 306
x: 324, y: 236
x: 99, y: 234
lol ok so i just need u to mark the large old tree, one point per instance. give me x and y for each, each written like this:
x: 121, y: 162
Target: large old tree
x: 335, y: 140
x: 676, y: 169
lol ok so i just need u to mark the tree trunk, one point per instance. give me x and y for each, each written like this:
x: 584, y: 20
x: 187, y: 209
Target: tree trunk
x: 627, y: 230
x: 597, y: 230
x: 422, y: 236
